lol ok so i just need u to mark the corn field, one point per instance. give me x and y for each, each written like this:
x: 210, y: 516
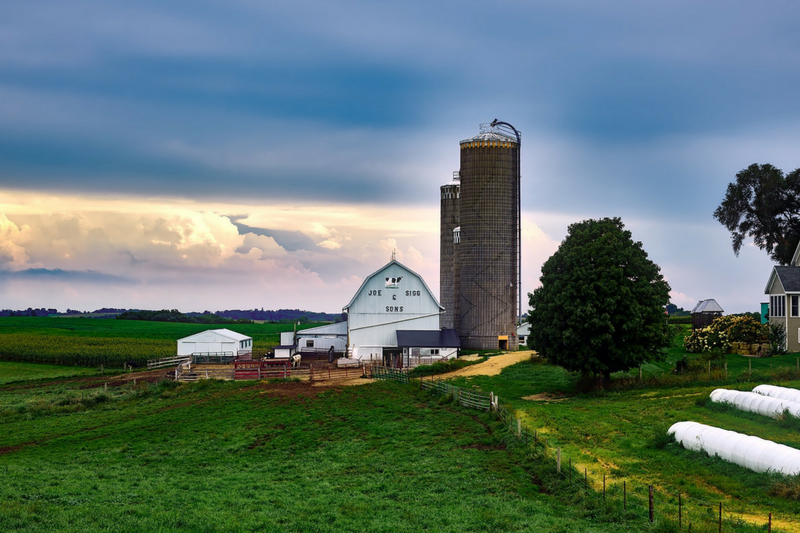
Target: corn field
x: 82, y: 351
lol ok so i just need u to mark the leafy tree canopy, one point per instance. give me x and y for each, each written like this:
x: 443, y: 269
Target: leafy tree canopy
x: 600, y: 308
x: 765, y: 205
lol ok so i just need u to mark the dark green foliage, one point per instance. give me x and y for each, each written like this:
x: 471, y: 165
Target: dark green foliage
x: 765, y: 205
x: 600, y: 308
x: 173, y: 315
x: 777, y: 338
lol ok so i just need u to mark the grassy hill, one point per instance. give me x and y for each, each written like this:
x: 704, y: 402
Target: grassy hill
x: 216, y: 456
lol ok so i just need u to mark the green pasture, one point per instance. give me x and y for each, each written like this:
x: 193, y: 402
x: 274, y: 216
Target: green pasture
x: 11, y: 371
x: 214, y: 456
x: 109, y: 342
x: 620, y: 432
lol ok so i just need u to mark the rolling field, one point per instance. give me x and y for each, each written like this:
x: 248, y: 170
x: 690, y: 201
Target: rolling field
x: 109, y: 342
x: 620, y: 433
x: 214, y: 456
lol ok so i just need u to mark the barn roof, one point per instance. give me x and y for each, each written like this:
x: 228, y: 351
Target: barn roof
x: 707, y: 306
x: 381, y: 269
x: 445, y: 338
x: 789, y: 276
x: 223, y: 332
x: 338, y: 328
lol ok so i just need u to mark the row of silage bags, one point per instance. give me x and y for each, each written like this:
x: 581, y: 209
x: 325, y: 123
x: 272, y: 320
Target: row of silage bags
x: 784, y: 393
x: 744, y: 450
x: 756, y: 403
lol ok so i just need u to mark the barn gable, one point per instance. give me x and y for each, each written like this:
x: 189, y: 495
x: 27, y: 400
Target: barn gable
x: 393, y: 297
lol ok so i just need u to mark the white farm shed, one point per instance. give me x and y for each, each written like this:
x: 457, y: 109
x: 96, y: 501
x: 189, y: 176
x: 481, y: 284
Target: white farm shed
x: 215, y: 341
x: 318, y: 339
x: 394, y: 297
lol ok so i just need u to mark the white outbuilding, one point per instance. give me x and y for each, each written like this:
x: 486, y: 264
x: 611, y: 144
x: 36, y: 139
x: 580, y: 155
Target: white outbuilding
x: 392, y: 298
x: 215, y: 341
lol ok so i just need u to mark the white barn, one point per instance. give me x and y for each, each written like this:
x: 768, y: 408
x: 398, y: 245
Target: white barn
x: 390, y: 299
x: 215, y: 341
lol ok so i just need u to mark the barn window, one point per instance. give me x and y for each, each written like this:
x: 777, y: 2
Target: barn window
x: 310, y: 343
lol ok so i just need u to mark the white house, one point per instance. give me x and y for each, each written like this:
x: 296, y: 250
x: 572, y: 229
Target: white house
x: 215, y: 341
x: 390, y: 299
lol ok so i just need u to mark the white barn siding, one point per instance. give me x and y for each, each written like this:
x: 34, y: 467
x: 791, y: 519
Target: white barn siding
x: 380, y: 307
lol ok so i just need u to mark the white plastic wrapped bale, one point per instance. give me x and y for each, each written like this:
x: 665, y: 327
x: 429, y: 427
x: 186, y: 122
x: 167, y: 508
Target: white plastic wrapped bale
x: 784, y: 393
x: 756, y: 403
x: 744, y: 450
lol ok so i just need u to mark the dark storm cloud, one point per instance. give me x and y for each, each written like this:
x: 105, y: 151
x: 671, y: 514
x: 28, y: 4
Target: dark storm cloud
x: 345, y: 101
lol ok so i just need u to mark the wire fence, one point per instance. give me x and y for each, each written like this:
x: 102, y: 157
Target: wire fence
x: 388, y: 373
x: 617, y: 498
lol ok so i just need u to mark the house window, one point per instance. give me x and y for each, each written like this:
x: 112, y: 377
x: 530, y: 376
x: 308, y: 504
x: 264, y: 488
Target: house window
x: 794, y: 304
x: 777, y: 306
x: 310, y: 343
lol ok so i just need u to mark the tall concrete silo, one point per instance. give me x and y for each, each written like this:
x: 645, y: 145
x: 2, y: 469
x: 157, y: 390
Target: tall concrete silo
x: 448, y: 236
x: 485, y: 253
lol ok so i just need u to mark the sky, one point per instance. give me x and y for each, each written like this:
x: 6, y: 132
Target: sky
x: 205, y: 155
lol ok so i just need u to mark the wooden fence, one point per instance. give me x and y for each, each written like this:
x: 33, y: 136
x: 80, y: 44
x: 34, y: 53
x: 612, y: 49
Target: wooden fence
x: 472, y: 398
x: 165, y: 362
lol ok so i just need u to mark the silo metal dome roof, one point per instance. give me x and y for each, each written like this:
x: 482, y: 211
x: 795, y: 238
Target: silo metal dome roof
x: 490, y: 136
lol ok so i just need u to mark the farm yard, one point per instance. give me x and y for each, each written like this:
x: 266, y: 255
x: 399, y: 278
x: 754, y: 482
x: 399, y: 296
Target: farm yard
x: 297, y: 456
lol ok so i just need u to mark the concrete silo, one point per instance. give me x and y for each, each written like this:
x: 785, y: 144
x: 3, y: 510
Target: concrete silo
x: 481, y: 259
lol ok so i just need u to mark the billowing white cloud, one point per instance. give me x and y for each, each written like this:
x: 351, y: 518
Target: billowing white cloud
x: 12, y: 252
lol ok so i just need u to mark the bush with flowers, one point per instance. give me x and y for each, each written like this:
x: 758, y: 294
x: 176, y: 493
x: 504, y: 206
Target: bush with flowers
x: 724, y: 331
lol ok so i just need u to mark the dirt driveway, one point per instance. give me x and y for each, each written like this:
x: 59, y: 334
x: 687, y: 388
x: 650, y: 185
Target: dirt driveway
x: 493, y: 366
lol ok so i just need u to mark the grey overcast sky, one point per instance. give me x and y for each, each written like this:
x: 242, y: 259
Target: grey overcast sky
x: 240, y: 154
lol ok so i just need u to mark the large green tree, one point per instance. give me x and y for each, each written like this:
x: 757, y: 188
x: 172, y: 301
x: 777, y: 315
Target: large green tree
x: 600, y: 308
x: 763, y: 204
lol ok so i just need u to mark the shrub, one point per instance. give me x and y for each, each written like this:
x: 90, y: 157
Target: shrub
x: 777, y: 338
x: 724, y: 331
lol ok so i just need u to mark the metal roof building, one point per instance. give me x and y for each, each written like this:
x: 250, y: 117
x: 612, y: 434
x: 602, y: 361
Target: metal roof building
x: 393, y: 297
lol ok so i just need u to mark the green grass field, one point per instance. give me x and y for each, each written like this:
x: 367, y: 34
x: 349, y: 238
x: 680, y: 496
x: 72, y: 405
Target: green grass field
x: 620, y: 433
x: 218, y: 456
x: 10, y: 371
x: 109, y: 342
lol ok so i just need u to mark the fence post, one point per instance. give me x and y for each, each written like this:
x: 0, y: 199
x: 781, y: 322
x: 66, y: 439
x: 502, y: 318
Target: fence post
x: 650, y: 499
x: 585, y: 479
x: 558, y: 461
x: 640, y: 372
x: 769, y: 524
x: 750, y: 367
x: 720, y: 517
x: 519, y: 427
x: 709, y: 370
x: 726, y: 371
x: 624, y: 495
